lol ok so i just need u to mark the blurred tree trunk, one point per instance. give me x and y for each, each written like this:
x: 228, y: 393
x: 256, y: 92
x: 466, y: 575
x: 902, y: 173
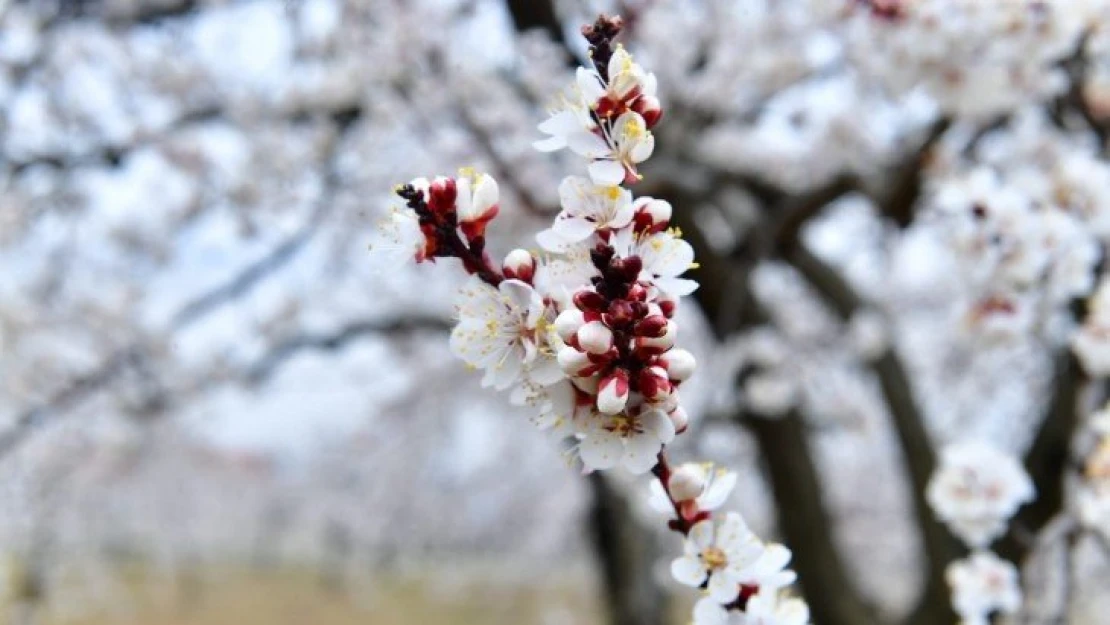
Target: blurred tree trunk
x: 626, y: 558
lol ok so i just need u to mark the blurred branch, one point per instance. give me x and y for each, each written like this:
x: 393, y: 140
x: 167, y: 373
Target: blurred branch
x: 84, y: 386
x: 897, y: 203
x: 68, y: 397
x: 285, y: 350
x: 532, y: 14
x: 1047, y: 458
x: 283, y: 253
x: 619, y: 540
x: 804, y: 521
x: 940, y: 547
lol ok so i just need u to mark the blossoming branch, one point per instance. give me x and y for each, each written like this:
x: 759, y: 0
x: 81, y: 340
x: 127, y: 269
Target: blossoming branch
x: 583, y: 332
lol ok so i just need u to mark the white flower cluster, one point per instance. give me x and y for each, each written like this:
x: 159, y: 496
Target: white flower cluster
x: 975, y: 491
x: 1027, y: 216
x: 1093, y: 494
x: 981, y: 585
x: 975, y: 58
x: 743, y: 577
x: 583, y: 332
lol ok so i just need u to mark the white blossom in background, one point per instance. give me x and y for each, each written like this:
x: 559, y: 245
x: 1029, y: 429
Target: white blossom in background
x: 977, y: 59
x: 982, y: 585
x: 976, y: 489
x: 1025, y: 227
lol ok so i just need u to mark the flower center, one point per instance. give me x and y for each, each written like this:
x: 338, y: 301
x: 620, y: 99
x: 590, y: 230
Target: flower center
x: 623, y: 426
x: 714, y: 558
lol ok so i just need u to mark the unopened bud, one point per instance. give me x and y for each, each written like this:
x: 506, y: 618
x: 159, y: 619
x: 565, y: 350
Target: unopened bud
x: 572, y: 361
x: 667, y: 305
x: 687, y: 482
x: 626, y: 269
x: 595, y: 337
x: 653, y: 326
x: 657, y: 345
x: 612, y: 394
x: 442, y: 194
x: 679, y: 418
x: 652, y: 215
x: 654, y: 384
x: 589, y: 301
x: 519, y: 264
x: 621, y: 313
x: 679, y: 363
x: 649, y: 108
x: 568, y: 322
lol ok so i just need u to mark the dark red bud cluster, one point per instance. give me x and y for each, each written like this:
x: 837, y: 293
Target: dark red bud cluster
x: 641, y: 332
x: 601, y: 36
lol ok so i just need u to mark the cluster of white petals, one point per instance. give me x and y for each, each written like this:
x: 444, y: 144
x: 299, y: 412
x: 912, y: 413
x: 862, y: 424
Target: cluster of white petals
x: 975, y: 58
x: 983, y: 584
x: 607, y: 119
x: 1026, y: 215
x: 976, y: 489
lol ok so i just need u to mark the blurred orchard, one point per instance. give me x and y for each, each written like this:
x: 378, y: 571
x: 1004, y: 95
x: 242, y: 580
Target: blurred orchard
x: 215, y: 407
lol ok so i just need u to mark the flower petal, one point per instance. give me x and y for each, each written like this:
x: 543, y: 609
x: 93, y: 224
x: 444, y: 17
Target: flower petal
x: 641, y: 453
x: 701, y: 535
x: 689, y: 570
x: 724, y: 586
x: 607, y: 173
x: 601, y: 450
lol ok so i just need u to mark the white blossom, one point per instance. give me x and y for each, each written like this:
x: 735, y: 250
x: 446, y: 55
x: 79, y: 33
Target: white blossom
x: 586, y: 208
x: 976, y: 489
x: 769, y: 606
x: 497, y: 329
x: 632, y: 441
x: 721, y: 553
x: 983, y: 584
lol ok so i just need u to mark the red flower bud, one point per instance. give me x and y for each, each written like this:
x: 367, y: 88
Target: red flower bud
x: 441, y: 196
x: 589, y: 301
x: 649, y: 108
x: 654, y: 326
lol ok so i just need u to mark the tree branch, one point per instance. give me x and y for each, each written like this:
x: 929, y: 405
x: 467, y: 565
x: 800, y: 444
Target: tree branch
x: 804, y: 521
x: 619, y: 542
x: 940, y: 546
x: 268, y: 364
x: 1047, y: 458
x: 532, y: 14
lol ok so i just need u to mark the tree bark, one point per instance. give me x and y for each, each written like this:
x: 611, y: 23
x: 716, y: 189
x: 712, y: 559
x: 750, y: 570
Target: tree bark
x: 624, y: 549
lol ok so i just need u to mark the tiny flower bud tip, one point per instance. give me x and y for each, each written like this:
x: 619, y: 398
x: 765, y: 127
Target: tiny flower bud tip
x: 687, y: 482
